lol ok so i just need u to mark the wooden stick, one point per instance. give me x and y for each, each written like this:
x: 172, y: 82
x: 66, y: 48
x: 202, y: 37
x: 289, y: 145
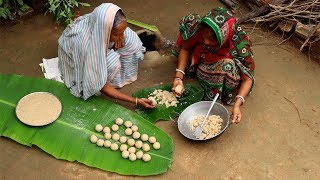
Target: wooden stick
x: 253, y: 28
x: 277, y: 11
x: 285, y: 40
x: 252, y: 14
x: 294, y: 10
x: 261, y: 10
x: 280, y: 8
x: 296, y: 14
x: 307, y: 3
x: 310, y: 35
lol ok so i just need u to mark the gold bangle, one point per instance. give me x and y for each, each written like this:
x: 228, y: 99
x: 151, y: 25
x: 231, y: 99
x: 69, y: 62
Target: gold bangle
x: 136, y: 101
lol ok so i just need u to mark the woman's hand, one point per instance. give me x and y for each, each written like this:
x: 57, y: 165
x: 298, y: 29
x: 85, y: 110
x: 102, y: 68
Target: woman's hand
x: 146, y: 103
x: 177, y: 87
x: 119, y: 44
x: 114, y: 93
x: 236, y: 114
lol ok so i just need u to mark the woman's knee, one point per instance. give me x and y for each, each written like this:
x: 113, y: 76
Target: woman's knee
x: 228, y: 65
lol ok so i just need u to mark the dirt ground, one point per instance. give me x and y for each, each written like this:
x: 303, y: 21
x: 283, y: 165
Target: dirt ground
x: 278, y: 137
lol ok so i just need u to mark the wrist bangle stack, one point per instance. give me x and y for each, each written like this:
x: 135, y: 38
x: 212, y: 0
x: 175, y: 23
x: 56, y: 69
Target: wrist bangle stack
x: 179, y: 70
x: 241, y: 98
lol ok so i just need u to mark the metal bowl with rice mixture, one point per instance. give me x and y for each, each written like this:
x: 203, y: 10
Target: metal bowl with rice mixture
x: 199, y: 109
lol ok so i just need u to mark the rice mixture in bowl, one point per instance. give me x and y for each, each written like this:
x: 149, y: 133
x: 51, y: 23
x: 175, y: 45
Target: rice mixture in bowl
x: 212, y: 126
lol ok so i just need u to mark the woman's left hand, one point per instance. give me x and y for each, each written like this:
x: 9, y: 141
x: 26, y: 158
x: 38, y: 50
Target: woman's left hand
x: 236, y: 114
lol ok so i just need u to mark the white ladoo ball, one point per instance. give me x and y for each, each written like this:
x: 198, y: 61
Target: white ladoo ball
x: 152, y: 139
x: 125, y: 154
x: 119, y: 121
x: 146, y: 157
x: 128, y: 124
x: 93, y: 138
x: 114, y: 146
x: 100, y: 142
x: 99, y: 127
x: 156, y: 145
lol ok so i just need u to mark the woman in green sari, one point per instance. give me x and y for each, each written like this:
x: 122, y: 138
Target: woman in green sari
x: 218, y: 52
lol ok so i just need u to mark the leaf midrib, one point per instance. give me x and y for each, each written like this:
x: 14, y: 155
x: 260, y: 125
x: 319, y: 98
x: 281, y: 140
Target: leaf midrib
x: 7, y: 103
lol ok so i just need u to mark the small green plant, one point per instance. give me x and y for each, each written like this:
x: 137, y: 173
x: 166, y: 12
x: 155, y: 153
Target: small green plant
x: 63, y: 10
x: 12, y: 8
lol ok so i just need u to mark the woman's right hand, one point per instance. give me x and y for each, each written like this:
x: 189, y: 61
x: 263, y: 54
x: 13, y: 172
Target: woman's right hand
x: 119, y: 44
x: 176, y: 83
x: 146, y: 103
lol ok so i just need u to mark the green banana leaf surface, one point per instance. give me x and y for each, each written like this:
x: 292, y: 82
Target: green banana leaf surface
x: 193, y: 93
x: 68, y: 137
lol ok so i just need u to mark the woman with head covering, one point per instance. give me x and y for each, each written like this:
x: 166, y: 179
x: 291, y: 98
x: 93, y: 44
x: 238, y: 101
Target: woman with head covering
x: 218, y: 51
x: 99, y: 53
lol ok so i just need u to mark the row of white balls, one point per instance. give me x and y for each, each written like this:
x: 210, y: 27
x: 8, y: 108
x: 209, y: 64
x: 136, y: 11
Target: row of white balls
x: 126, y: 153
x: 131, y: 130
x: 115, y: 127
x: 131, y: 142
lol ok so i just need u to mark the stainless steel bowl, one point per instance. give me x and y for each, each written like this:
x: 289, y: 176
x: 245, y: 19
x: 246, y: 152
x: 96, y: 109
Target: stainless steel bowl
x: 198, y: 109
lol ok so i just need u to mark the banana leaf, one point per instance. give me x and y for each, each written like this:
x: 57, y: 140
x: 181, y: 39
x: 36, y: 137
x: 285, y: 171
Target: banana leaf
x: 68, y: 137
x: 193, y: 93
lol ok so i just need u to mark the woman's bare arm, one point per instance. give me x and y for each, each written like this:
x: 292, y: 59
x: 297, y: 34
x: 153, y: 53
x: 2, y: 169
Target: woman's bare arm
x: 114, y: 93
x: 182, y: 61
x: 244, y: 90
